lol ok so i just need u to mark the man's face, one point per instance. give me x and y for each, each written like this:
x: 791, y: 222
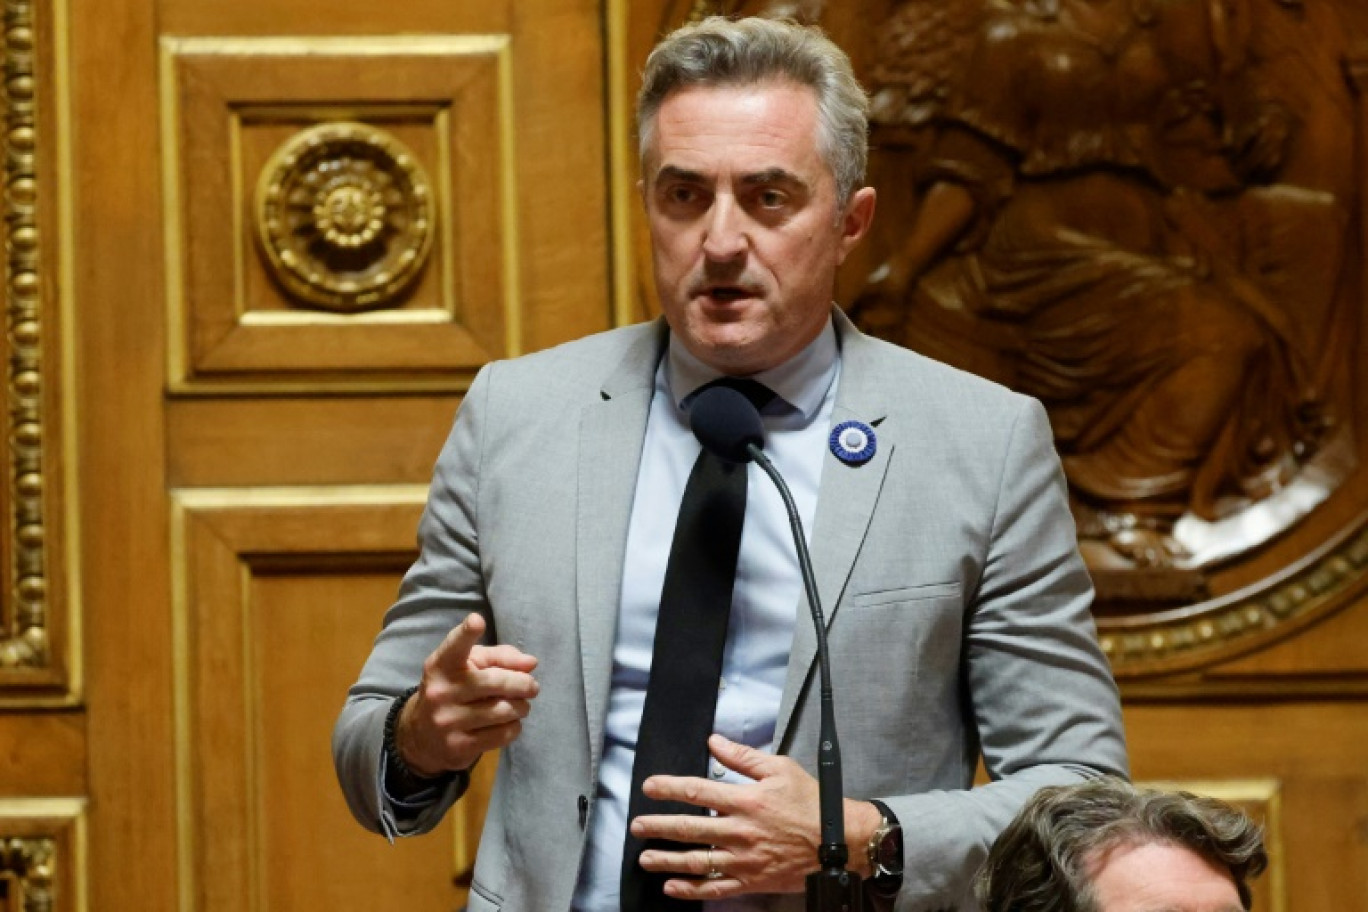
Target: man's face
x: 1162, y: 878
x: 745, y: 227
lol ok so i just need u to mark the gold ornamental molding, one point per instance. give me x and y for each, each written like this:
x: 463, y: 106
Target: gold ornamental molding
x: 35, y: 650
x: 43, y: 854
x: 27, y: 642
x: 1243, y: 621
x: 345, y: 216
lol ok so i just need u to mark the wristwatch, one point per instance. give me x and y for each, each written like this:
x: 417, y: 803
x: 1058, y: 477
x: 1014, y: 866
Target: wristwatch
x: 885, y: 853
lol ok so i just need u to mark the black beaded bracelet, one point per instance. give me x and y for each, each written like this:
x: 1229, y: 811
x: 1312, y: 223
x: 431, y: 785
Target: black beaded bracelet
x: 398, y: 770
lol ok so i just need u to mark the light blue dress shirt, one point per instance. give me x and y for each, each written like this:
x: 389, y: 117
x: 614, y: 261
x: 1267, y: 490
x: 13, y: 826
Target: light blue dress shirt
x: 766, y: 602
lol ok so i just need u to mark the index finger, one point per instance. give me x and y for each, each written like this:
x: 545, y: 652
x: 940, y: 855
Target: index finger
x: 452, y: 654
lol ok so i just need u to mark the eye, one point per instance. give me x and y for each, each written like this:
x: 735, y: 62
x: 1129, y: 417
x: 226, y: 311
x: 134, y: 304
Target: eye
x: 680, y: 194
x: 772, y: 199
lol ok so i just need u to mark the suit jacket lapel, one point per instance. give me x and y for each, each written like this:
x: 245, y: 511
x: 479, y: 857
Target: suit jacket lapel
x: 611, y: 434
x: 845, y: 505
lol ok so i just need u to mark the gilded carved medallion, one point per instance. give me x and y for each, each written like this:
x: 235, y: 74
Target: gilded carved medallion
x: 344, y: 216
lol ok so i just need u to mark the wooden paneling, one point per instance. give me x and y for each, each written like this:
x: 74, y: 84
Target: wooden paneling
x: 230, y: 104
x: 328, y: 440
x: 223, y: 624
x: 118, y: 291
x: 42, y: 858
x: 39, y: 606
x: 42, y: 753
x: 1314, y: 750
x: 275, y: 612
x: 191, y: 769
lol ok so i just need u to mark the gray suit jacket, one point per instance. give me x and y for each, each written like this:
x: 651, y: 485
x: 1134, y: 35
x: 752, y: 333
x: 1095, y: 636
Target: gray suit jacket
x: 957, y: 608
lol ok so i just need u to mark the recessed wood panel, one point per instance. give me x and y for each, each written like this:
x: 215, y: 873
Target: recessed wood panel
x: 229, y: 108
x: 1312, y: 750
x: 281, y: 593
x: 287, y: 441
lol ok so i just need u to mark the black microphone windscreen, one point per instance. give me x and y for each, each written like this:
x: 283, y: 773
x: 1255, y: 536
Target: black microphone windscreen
x: 726, y: 422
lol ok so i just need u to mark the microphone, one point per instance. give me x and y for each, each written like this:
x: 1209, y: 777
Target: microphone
x: 728, y: 426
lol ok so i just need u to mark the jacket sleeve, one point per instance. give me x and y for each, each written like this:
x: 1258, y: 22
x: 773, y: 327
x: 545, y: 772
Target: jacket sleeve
x: 1040, y: 691
x: 443, y: 586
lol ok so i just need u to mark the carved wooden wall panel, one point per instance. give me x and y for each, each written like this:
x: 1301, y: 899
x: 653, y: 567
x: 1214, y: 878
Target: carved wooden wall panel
x: 1152, y: 252
x: 1162, y: 240
x: 255, y: 252
x: 328, y: 226
x: 159, y: 371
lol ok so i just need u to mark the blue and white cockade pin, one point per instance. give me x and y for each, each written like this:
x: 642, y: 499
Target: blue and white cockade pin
x: 853, y: 442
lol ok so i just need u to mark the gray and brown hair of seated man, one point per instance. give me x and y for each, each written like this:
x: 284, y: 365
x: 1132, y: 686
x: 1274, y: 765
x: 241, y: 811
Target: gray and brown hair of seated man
x: 746, y: 52
x: 1043, y: 861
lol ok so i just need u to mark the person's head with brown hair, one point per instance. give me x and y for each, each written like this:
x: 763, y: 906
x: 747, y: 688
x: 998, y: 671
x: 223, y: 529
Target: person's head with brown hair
x: 1108, y: 846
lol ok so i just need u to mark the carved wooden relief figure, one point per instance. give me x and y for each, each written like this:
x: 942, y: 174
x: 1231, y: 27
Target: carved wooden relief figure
x: 1099, y: 223
x: 1148, y: 215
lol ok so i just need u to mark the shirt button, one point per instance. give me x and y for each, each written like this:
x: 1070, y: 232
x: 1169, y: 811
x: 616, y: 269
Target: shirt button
x: 717, y: 770
x: 721, y: 683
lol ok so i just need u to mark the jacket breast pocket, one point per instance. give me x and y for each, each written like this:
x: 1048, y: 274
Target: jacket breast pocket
x: 892, y: 595
x: 895, y: 655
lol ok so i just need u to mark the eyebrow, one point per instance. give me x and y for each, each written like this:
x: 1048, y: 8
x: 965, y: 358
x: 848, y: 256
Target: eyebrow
x: 773, y: 176
x: 767, y: 176
x: 674, y: 172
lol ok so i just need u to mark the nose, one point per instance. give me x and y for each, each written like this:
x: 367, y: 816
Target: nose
x: 724, y: 235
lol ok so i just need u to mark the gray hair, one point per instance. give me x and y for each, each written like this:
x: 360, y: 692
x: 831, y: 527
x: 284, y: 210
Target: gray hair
x: 1044, y: 860
x: 724, y: 52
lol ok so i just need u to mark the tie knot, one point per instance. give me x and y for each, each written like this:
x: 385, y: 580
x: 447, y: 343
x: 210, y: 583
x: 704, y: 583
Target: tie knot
x: 758, y: 394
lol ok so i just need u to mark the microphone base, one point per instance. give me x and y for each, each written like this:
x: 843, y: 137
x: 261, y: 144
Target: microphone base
x: 834, y: 890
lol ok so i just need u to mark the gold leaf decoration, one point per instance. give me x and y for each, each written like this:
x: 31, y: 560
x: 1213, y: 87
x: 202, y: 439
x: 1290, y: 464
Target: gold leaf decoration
x: 345, y: 217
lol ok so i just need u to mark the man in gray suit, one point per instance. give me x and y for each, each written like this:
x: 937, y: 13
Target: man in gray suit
x: 957, y: 603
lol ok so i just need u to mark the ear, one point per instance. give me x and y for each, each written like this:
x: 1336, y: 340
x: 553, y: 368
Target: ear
x: 855, y: 221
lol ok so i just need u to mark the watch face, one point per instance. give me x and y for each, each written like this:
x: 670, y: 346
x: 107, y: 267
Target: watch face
x: 888, y: 853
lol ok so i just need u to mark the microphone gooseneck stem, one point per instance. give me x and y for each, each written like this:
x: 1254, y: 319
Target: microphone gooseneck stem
x: 832, y: 853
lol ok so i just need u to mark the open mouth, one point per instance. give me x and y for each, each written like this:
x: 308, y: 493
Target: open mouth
x: 728, y: 293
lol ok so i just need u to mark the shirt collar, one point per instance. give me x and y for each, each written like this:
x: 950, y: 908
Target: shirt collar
x: 802, y: 381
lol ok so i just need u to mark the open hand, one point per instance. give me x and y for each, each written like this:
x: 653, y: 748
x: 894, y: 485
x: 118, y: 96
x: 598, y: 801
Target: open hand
x: 763, y: 837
